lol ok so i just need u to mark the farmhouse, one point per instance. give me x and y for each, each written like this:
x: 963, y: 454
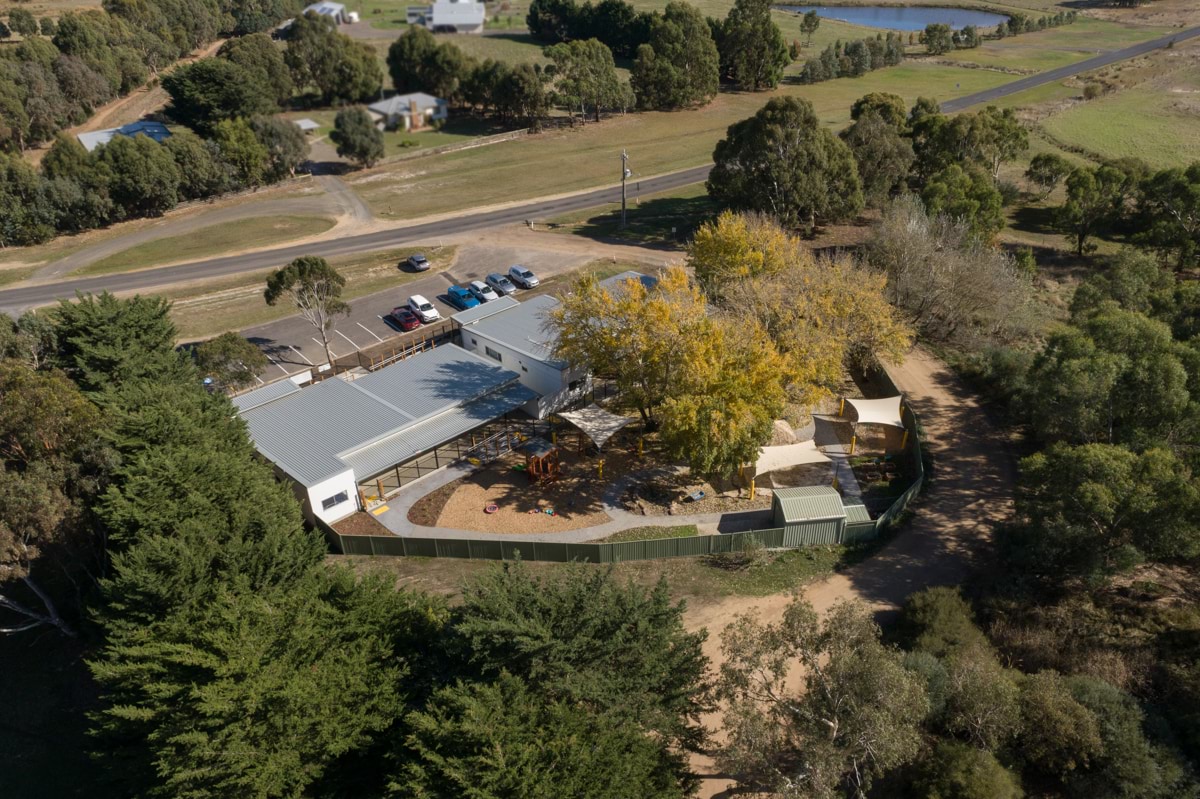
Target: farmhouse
x: 408, y: 111
x: 155, y: 130
x: 449, y: 16
x: 347, y: 443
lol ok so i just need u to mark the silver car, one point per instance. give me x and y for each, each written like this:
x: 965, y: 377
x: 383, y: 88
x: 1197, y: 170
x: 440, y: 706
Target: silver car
x: 418, y: 262
x: 501, y: 284
x: 522, y: 277
x: 482, y: 291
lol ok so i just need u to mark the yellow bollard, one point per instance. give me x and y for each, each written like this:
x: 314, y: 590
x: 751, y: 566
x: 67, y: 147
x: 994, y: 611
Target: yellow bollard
x: 853, y: 441
x: 554, y: 437
x: 641, y: 441
x: 842, y: 407
x: 600, y: 469
x: 904, y: 442
x: 752, y: 488
x: 835, y: 483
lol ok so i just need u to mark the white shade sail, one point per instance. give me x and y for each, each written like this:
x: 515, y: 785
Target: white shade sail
x: 878, y: 411
x: 787, y: 456
x: 598, y: 424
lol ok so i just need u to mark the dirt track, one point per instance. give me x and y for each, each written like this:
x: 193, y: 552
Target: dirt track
x: 971, y: 490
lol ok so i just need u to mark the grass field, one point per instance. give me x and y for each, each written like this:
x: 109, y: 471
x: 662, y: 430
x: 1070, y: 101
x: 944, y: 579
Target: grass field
x: 203, y: 311
x: 249, y: 233
x: 652, y: 533
x: 15, y: 274
x: 657, y: 142
x: 1055, y: 47
x: 667, y: 219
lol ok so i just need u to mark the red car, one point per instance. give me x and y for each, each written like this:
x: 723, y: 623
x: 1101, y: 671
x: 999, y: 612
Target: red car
x: 406, y: 319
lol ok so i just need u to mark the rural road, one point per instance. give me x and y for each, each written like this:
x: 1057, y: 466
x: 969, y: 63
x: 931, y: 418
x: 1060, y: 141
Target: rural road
x: 1051, y: 75
x: 15, y: 300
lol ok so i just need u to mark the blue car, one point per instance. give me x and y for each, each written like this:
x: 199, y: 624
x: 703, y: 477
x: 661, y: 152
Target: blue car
x: 460, y: 298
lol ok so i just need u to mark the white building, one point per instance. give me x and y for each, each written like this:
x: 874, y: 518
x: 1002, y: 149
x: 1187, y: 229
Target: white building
x: 335, y: 11
x: 409, y: 111
x: 449, y: 16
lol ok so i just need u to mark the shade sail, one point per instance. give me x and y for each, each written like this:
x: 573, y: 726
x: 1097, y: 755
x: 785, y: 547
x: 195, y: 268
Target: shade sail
x: 878, y: 411
x: 598, y: 424
x: 787, y: 456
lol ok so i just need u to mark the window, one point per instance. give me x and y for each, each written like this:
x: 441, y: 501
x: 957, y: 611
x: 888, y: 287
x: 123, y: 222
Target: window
x: 491, y: 353
x: 574, y: 385
x: 336, y: 499
x: 475, y: 341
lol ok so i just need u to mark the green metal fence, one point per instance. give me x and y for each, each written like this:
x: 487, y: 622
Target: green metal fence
x: 558, y: 552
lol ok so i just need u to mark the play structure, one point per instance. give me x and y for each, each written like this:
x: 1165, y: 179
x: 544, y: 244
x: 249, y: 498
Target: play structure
x: 596, y: 423
x: 542, y: 462
x: 886, y: 412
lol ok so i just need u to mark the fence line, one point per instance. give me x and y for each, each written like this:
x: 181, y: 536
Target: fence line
x: 617, y: 552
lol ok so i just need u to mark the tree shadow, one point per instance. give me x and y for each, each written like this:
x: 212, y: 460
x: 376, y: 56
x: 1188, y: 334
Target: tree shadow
x: 663, y: 223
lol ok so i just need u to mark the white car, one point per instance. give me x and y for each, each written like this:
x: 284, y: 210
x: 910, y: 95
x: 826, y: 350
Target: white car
x: 522, y: 277
x: 482, y: 291
x: 423, y: 308
x: 501, y: 284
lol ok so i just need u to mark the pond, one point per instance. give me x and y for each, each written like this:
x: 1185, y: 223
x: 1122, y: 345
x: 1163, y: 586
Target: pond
x: 903, y: 18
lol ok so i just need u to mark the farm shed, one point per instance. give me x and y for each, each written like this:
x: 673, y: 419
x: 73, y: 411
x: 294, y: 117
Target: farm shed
x: 812, y: 515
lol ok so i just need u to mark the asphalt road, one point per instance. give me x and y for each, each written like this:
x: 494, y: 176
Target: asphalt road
x: 1042, y: 78
x: 31, y: 296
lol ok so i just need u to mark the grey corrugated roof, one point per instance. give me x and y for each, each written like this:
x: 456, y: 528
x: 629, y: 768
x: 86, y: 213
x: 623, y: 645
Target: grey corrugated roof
x: 616, y: 280
x: 402, y: 103
x: 431, y: 433
x: 857, y: 513
x: 307, y: 433
x: 523, y: 328
x: 810, y: 502
x: 265, y: 394
x: 484, y: 310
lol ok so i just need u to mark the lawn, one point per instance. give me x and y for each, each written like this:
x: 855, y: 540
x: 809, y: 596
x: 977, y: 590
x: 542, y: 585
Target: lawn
x: 244, y: 234
x: 585, y: 157
x: 1055, y: 47
x: 664, y: 219
x: 651, y: 533
x: 15, y: 274
x: 1155, y: 121
x: 206, y: 310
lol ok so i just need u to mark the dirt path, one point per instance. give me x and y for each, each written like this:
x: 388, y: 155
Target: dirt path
x: 971, y: 490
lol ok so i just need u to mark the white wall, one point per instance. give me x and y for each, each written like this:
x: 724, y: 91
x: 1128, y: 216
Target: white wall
x: 546, y: 379
x: 330, y: 488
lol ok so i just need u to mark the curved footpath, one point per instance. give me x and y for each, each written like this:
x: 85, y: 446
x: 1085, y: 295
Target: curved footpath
x: 969, y: 492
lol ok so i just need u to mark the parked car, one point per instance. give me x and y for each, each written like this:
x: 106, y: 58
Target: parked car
x: 460, y: 298
x: 405, y: 319
x: 423, y: 308
x: 523, y: 277
x: 482, y: 291
x: 418, y: 262
x: 501, y: 284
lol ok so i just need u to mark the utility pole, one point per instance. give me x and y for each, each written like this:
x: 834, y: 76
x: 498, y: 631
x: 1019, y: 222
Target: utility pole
x: 625, y: 173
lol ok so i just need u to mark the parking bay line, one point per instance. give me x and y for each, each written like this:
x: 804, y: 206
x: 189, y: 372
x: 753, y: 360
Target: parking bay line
x: 302, y: 355
x: 343, y: 335
x: 364, y: 327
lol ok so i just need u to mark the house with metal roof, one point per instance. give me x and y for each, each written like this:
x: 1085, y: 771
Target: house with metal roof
x: 344, y: 442
x: 143, y: 127
x: 409, y: 111
x: 449, y: 16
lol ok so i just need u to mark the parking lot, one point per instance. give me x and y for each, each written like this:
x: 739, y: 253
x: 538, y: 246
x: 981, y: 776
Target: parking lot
x: 293, y: 345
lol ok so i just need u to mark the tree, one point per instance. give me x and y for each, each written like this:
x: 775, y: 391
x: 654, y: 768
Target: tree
x: 105, y: 342
x: 1091, y: 510
x: 966, y: 194
x: 1058, y: 734
x: 285, y: 144
x: 591, y: 641
x: 315, y: 288
x: 643, y: 338
x: 784, y: 162
x: 991, y: 137
x: 858, y: 716
x: 49, y: 26
x: 23, y: 22
x: 417, y: 62
x: 1169, y: 201
x: 338, y: 67
x: 230, y: 361
x: 258, y: 56
x: 1047, y: 170
x: 752, y: 47
x: 680, y: 66
x: 241, y: 151
x: 585, y: 76
x: 981, y: 699
x: 735, y: 247
x: 888, y: 107
x: 957, y: 771
x: 26, y: 214
x: 201, y: 170
x: 939, y: 39
x: 809, y: 25
x: 949, y: 283
x: 550, y: 748
x: 883, y: 156
x: 939, y: 621
x: 144, y: 179
x: 521, y: 94
x: 356, y: 136
x: 210, y: 90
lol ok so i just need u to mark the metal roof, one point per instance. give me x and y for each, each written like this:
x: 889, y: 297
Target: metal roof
x: 484, y: 310
x: 308, y: 433
x: 401, y: 104
x: 857, y: 513
x: 265, y: 394
x: 810, y: 502
x: 155, y: 130
x: 523, y: 329
x: 616, y: 281
x: 305, y: 124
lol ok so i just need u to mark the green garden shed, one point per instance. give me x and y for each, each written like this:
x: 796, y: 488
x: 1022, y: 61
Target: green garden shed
x: 815, y: 515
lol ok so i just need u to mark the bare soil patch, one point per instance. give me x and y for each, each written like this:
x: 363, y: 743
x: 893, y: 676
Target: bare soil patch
x: 668, y: 495
x: 361, y: 523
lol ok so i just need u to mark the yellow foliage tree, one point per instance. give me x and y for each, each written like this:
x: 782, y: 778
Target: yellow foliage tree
x: 736, y: 247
